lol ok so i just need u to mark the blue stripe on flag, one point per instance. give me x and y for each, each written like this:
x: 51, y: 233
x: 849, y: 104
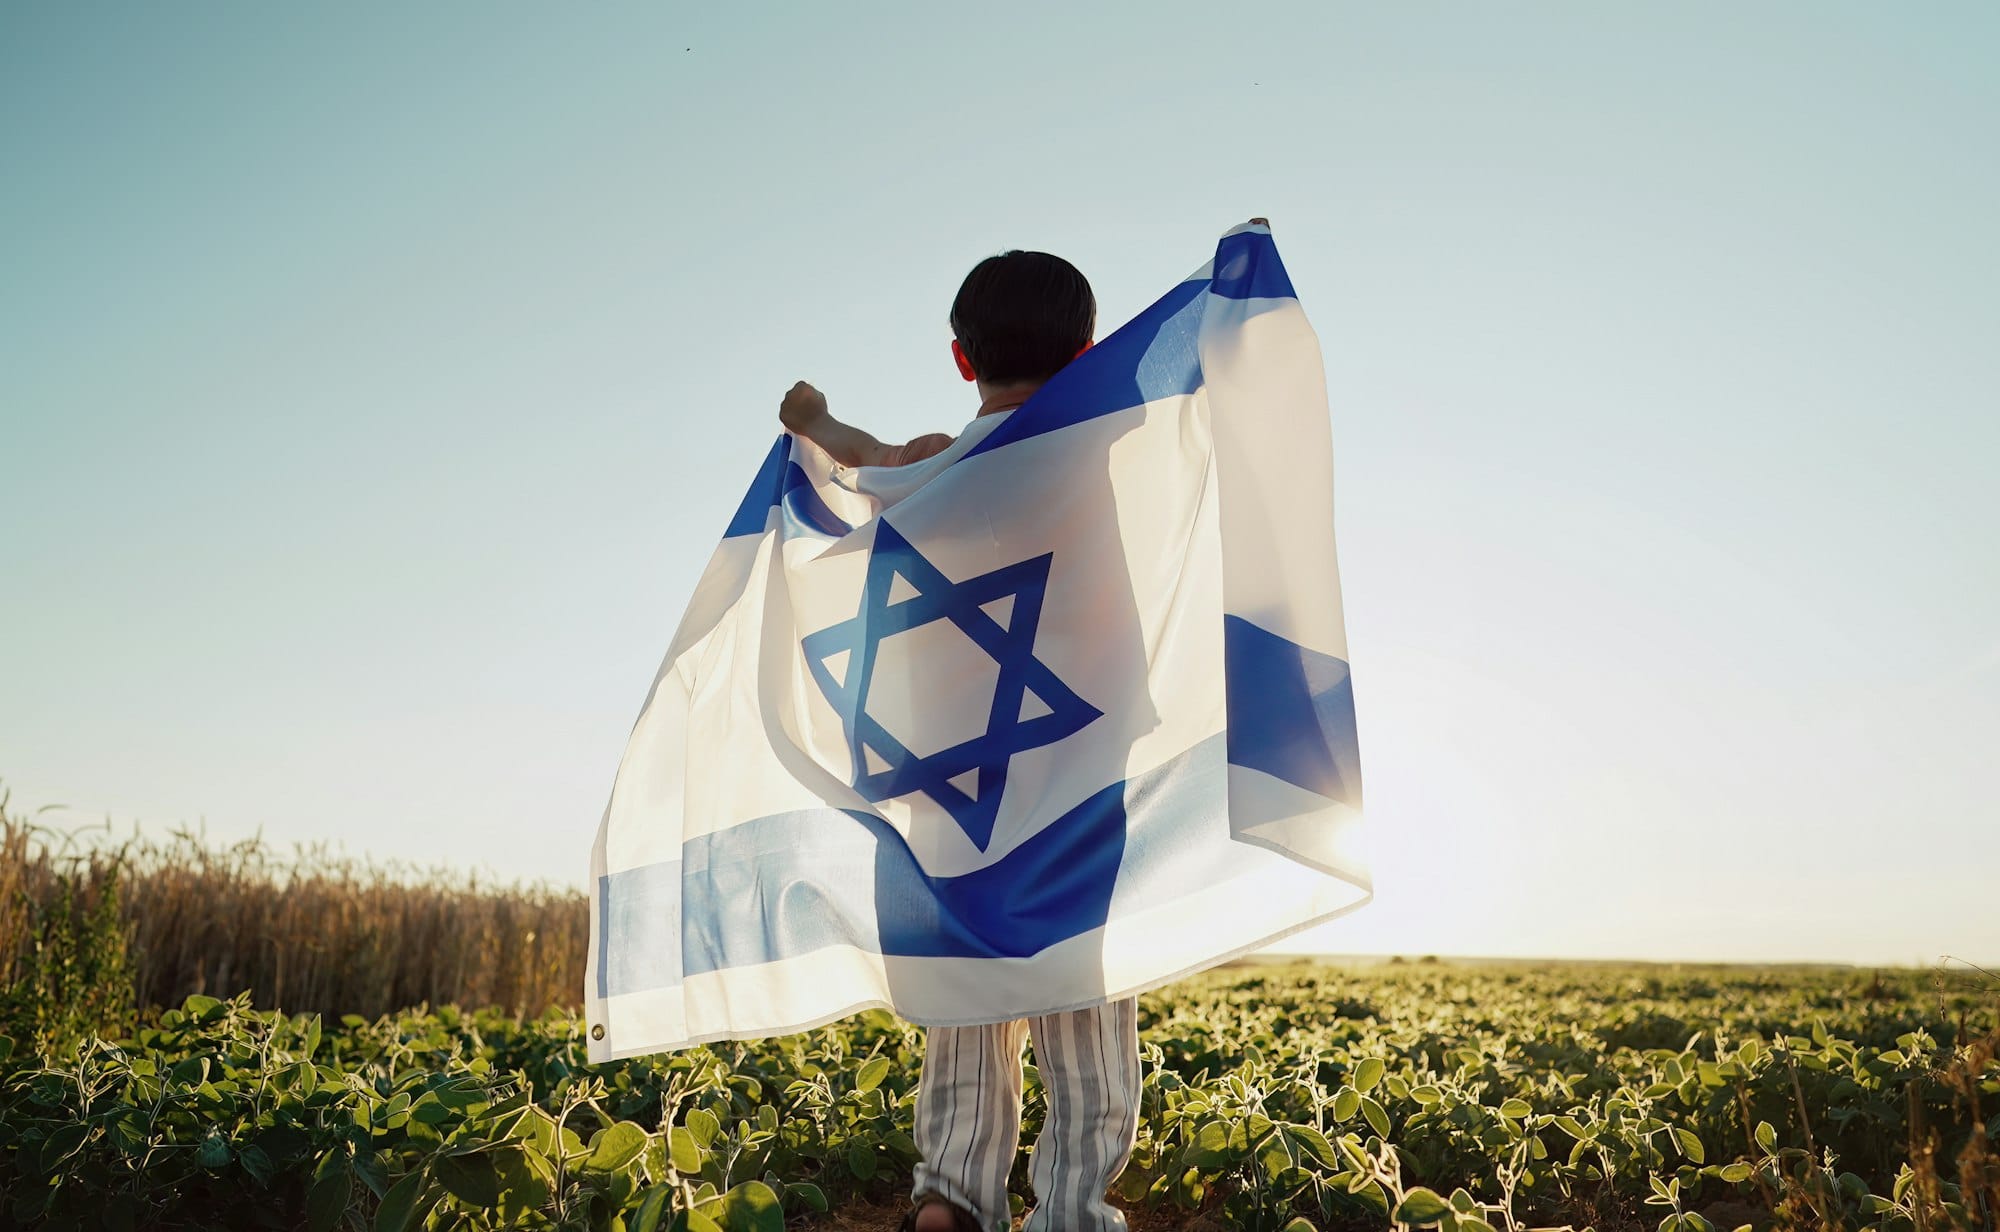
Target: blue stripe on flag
x: 795, y: 883
x: 1291, y: 711
x: 1247, y: 267
x: 639, y: 908
x: 766, y: 490
x: 1154, y: 355
x: 798, y: 882
x: 781, y: 481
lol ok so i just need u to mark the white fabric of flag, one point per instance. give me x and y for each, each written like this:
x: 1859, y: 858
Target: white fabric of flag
x: 1057, y: 716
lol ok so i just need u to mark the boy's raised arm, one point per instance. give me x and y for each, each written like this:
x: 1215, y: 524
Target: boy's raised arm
x: 804, y: 413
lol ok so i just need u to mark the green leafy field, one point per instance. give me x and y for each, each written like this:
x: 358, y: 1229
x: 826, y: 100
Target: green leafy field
x: 1472, y: 1098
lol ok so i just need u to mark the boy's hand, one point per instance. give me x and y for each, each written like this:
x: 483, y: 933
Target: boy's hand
x: 803, y: 406
x: 803, y: 412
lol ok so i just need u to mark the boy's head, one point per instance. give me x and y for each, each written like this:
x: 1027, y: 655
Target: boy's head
x: 1021, y: 316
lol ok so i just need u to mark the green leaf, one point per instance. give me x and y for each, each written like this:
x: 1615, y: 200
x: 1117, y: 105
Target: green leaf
x: 399, y: 1204
x: 460, y: 1095
x: 66, y: 1140
x: 1189, y: 1190
x: 127, y: 1129
x: 430, y: 1110
x: 499, y: 1111
x: 520, y: 1172
x: 752, y: 1207
x: 694, y: 1221
x: 1689, y: 1144
x: 1421, y: 1205
x: 1313, y: 1143
x: 703, y: 1125
x: 1346, y: 1104
x: 861, y: 1159
x: 215, y: 1152
x: 615, y: 1146
x: 809, y: 1194
x: 326, y: 1200
x: 1766, y: 1136
x: 1276, y: 1155
x: 872, y: 1074
x: 6, y: 1047
x: 1517, y: 1109
x: 682, y: 1152
x: 1378, y: 1120
x: 470, y: 1178
x: 198, y: 1006
x: 368, y: 1168
x: 1463, y: 1202
x: 1208, y: 1146
x: 1254, y: 1128
x: 538, y: 1129
x: 1368, y: 1073
x: 1299, y: 1223
x: 1371, y: 1193
x: 652, y: 1209
x: 1736, y: 1173
x: 311, y: 1044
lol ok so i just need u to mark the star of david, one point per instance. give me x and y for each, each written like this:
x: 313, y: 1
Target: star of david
x: 999, y: 611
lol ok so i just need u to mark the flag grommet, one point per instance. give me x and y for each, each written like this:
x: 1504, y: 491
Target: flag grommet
x: 597, y: 1031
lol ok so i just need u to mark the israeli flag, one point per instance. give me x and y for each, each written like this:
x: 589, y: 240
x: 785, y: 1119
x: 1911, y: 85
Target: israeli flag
x: 1055, y: 717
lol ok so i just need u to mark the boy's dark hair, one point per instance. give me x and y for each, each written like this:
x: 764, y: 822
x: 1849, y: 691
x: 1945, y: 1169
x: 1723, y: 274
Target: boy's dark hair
x: 1021, y: 316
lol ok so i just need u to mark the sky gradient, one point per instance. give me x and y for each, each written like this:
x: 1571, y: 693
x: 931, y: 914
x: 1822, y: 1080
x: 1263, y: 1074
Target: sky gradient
x: 374, y: 384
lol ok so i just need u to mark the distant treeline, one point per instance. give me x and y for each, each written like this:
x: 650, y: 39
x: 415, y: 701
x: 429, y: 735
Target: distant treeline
x: 93, y: 927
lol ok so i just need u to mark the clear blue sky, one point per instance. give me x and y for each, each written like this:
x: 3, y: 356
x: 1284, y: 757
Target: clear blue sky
x: 374, y: 382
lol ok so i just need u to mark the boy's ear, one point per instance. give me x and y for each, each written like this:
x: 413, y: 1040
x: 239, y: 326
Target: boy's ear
x: 964, y: 364
x: 1085, y: 347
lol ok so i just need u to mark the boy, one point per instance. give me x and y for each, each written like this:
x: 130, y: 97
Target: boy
x: 1018, y: 319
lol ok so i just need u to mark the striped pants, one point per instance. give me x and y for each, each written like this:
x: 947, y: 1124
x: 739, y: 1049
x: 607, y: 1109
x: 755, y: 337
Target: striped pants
x: 969, y: 1116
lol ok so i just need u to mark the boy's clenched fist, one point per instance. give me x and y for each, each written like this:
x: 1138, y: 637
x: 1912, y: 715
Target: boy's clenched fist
x: 802, y: 407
